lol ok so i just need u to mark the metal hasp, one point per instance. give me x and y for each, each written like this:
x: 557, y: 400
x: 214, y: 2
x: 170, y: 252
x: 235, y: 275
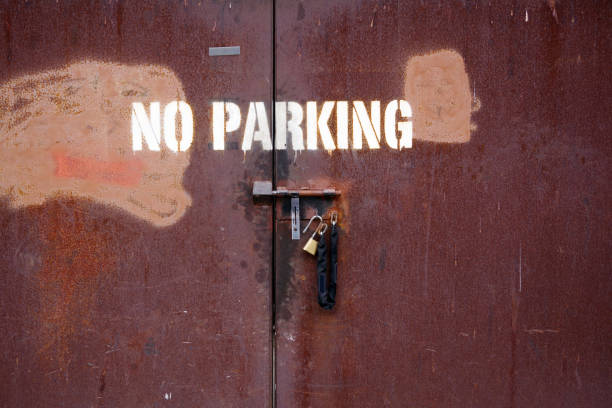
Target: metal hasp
x: 263, y: 189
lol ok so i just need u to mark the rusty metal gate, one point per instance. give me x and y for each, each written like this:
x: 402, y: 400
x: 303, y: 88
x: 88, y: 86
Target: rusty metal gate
x: 139, y: 270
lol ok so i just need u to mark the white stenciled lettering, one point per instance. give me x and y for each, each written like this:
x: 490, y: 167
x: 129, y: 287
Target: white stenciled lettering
x: 291, y: 125
x: 288, y: 127
x: 145, y: 126
x: 314, y: 126
x: 404, y: 127
x: 256, y: 116
x: 342, y: 124
x: 294, y: 125
x: 170, y: 126
x: 220, y: 125
x: 150, y: 127
x: 363, y: 124
x: 280, y: 129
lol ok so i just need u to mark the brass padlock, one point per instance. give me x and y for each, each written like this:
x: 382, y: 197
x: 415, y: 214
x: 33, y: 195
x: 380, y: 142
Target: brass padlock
x: 311, y: 244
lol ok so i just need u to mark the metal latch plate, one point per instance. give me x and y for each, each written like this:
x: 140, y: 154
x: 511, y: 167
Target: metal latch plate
x: 295, y: 218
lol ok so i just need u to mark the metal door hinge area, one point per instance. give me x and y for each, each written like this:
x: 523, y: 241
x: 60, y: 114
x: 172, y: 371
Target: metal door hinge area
x: 263, y: 189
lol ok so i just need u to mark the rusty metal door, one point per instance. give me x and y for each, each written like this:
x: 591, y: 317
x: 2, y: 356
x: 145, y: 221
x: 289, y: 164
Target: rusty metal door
x: 474, y: 267
x: 131, y: 278
x: 474, y: 262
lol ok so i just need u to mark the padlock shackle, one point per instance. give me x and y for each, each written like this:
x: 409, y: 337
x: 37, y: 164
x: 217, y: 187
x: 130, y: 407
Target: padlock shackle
x: 309, y: 222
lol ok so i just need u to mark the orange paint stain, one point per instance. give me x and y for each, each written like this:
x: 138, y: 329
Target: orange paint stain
x: 438, y: 88
x: 123, y: 173
x: 82, y: 113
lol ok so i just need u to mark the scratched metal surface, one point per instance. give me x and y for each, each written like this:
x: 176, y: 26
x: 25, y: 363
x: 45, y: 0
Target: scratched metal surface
x: 471, y: 274
x: 99, y: 306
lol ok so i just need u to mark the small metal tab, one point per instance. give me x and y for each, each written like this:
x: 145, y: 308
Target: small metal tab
x: 295, y: 217
x: 221, y: 51
x: 263, y: 189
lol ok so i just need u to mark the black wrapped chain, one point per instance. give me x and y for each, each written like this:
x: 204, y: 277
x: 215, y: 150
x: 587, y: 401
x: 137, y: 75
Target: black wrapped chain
x: 327, y: 295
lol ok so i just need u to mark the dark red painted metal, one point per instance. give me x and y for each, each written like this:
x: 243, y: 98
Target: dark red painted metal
x: 473, y: 274
x: 100, y: 308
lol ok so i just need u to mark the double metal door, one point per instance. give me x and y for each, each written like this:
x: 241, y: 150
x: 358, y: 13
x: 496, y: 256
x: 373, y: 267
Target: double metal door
x: 139, y: 271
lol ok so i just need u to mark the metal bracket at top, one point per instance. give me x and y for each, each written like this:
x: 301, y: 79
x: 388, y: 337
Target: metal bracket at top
x: 264, y: 189
x: 221, y: 51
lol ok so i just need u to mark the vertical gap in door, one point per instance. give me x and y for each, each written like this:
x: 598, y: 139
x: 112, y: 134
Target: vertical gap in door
x: 273, y: 271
